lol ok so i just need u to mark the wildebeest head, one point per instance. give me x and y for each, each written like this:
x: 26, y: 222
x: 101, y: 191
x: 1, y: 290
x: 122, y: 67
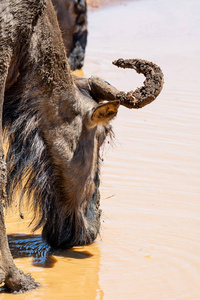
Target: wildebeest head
x: 73, y: 143
x: 56, y: 125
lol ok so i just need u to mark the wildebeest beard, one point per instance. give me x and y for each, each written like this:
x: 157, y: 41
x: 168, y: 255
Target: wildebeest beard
x: 34, y: 171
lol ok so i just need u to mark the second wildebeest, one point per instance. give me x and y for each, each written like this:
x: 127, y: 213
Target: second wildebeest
x: 56, y: 124
x: 72, y: 19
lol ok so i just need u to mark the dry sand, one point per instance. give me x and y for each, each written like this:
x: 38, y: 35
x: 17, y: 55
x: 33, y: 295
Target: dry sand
x: 96, y: 4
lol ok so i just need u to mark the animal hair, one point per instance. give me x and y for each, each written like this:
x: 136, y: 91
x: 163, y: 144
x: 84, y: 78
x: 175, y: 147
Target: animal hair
x: 31, y: 171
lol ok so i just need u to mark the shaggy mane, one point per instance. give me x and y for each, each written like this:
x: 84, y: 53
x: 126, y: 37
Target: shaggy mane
x: 28, y: 165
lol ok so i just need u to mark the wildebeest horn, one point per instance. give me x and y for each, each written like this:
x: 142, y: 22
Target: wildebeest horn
x: 142, y: 96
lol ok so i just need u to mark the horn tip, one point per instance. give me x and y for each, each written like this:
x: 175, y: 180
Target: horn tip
x: 119, y: 62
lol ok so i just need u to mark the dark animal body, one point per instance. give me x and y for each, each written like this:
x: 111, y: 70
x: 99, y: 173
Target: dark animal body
x: 72, y: 18
x: 56, y: 124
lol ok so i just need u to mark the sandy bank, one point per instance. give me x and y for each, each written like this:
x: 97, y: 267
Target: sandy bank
x: 95, y: 4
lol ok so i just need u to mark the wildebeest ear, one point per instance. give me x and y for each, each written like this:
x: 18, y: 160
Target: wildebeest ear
x: 102, y: 113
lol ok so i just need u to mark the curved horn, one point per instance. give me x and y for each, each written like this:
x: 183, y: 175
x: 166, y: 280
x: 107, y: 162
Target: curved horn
x: 152, y: 85
x: 142, y: 96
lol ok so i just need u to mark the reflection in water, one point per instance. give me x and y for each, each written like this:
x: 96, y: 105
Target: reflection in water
x: 27, y: 245
x: 66, y: 274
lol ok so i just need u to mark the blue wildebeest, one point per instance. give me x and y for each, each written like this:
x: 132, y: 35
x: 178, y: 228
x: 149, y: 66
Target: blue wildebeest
x: 72, y: 18
x: 56, y: 124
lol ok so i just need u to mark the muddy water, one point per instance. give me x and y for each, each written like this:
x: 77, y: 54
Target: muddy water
x: 149, y: 246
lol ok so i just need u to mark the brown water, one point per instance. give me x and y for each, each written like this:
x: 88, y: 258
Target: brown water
x: 150, y: 239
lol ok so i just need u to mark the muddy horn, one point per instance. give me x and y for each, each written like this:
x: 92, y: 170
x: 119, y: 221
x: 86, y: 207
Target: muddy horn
x: 142, y: 96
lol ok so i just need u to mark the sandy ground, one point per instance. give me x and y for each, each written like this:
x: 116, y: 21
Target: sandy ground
x: 96, y: 4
